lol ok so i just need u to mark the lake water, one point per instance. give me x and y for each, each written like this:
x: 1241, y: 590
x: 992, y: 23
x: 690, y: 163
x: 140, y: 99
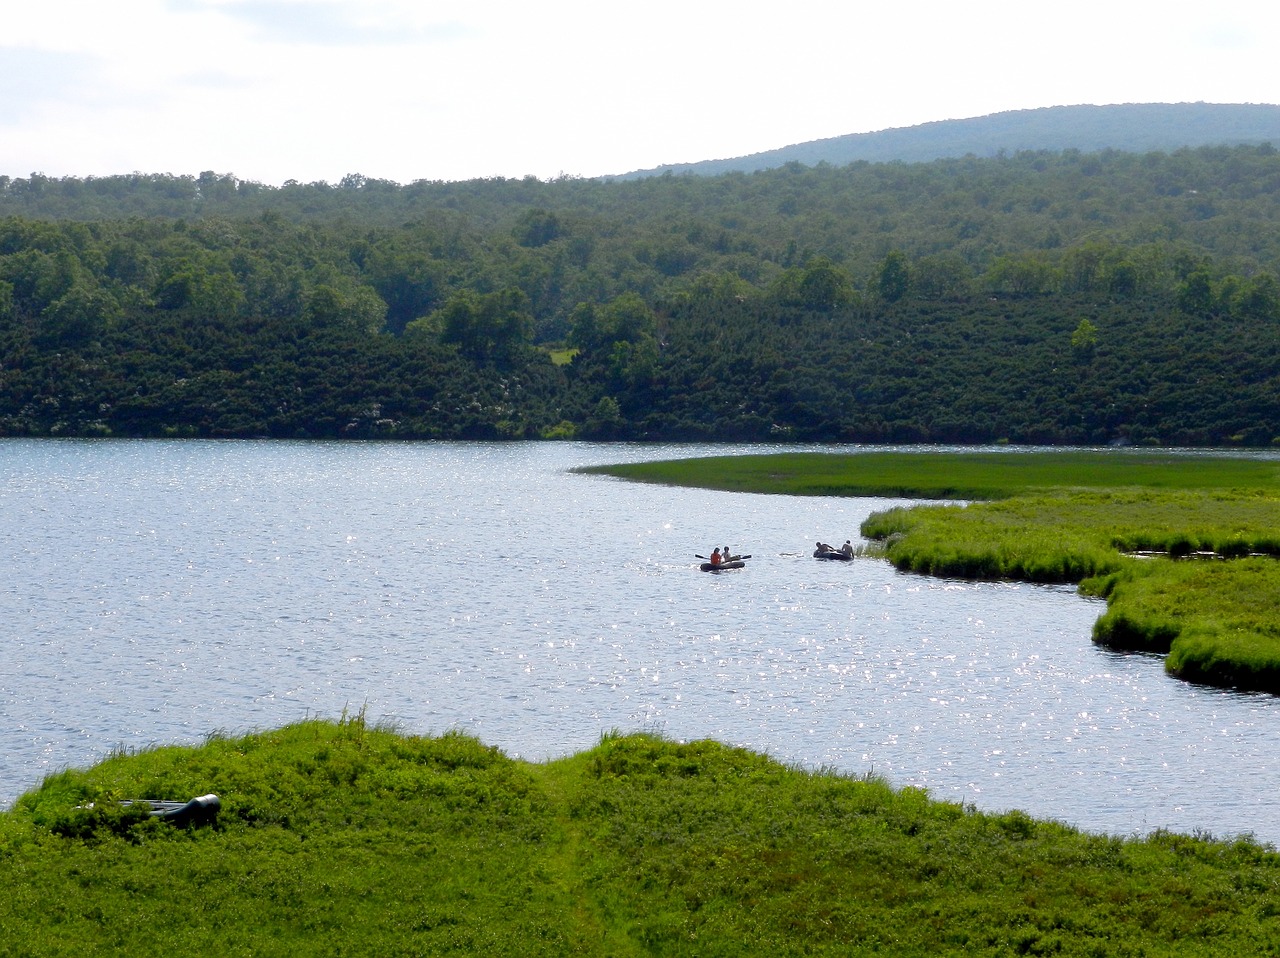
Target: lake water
x: 157, y: 592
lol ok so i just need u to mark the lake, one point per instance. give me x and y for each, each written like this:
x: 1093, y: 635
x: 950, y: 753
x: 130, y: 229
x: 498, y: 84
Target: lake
x: 159, y: 592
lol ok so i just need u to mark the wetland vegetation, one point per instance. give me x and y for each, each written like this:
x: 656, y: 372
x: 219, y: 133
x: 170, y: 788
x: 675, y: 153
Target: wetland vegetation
x: 1182, y: 547
x: 344, y: 837
x: 341, y: 838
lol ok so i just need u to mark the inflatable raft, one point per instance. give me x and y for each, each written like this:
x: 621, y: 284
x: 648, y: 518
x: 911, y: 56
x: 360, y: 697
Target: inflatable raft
x: 731, y: 564
x: 832, y: 554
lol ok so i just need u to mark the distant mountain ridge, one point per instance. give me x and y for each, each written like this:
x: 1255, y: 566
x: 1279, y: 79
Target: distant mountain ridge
x: 1129, y: 127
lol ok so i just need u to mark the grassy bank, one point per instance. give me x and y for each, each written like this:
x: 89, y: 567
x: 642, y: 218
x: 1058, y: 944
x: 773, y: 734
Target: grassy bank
x: 1079, y: 517
x: 337, y: 838
x: 933, y: 475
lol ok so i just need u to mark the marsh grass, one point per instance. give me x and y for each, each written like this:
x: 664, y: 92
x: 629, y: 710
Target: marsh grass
x: 1071, y: 517
x: 951, y: 475
x: 1218, y: 621
x: 337, y: 839
x: 332, y: 839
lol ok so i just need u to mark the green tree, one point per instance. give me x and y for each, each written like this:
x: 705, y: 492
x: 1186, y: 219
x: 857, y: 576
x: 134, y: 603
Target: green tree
x: 605, y: 421
x: 78, y: 317
x: 1122, y: 278
x: 492, y: 327
x: 1260, y: 299
x: 356, y: 307
x: 407, y: 277
x: 39, y: 279
x: 204, y: 293
x: 819, y: 285
x: 536, y: 228
x: 596, y: 328
x: 895, y: 277
x: 944, y: 276
x: 633, y: 362
x: 1196, y: 294
x: 585, y: 333
x: 1022, y: 274
x: 1082, y: 267
x: 1226, y: 295
x: 1084, y: 340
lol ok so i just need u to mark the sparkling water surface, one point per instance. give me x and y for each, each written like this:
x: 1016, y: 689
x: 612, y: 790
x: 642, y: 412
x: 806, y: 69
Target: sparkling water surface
x: 158, y: 592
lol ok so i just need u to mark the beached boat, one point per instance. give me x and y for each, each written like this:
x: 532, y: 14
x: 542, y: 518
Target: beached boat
x: 202, y: 810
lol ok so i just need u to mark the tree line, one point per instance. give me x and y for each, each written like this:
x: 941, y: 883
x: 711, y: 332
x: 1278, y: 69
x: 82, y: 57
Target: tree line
x: 1042, y: 297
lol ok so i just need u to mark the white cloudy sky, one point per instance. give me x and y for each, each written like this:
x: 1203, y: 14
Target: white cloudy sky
x: 271, y: 90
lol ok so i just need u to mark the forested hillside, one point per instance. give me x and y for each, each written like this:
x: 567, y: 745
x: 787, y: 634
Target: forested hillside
x: 1058, y: 297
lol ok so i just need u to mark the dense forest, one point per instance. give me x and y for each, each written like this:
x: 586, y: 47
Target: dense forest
x: 1046, y: 297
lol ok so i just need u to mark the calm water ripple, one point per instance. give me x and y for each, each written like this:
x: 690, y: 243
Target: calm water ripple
x: 162, y: 591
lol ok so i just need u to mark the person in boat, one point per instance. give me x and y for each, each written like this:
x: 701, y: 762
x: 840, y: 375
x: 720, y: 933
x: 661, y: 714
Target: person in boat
x: 823, y: 547
x: 847, y: 549
x: 716, y: 558
x: 726, y: 555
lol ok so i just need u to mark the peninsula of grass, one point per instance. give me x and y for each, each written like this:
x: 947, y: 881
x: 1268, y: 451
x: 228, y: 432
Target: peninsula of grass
x: 946, y: 475
x: 336, y: 838
x: 1181, y: 546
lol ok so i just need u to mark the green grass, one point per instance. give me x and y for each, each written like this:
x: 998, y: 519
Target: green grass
x: 1069, y: 535
x: 339, y: 839
x: 932, y: 475
x: 562, y: 357
x: 1077, y: 517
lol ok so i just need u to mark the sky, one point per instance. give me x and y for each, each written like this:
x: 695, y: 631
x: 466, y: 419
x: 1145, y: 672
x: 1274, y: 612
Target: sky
x: 406, y: 90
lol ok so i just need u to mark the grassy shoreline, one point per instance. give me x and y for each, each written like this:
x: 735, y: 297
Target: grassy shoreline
x: 1077, y: 517
x: 946, y: 475
x: 339, y: 838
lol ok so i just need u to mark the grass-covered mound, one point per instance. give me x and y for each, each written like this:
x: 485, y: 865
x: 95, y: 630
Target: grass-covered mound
x: 1080, y: 517
x: 338, y: 838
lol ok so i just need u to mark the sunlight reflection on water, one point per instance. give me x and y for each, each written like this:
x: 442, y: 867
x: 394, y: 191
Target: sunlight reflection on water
x: 164, y: 591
